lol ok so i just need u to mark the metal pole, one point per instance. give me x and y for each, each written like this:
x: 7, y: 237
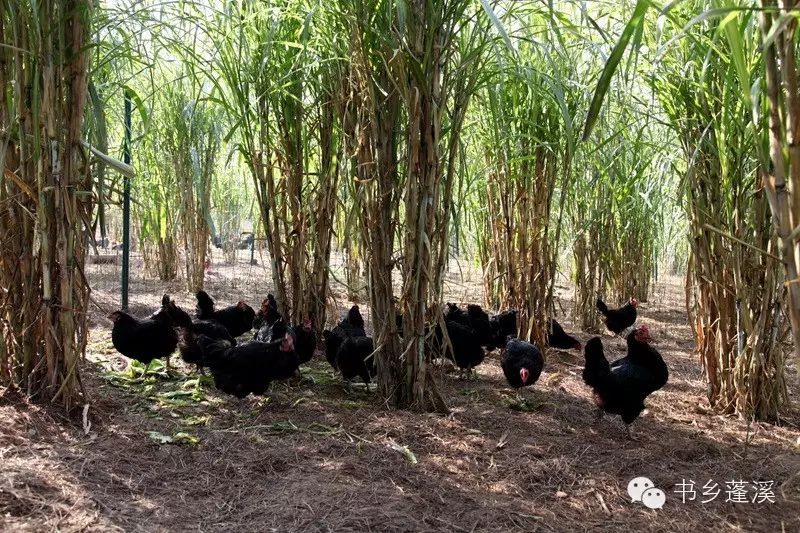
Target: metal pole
x: 126, y: 205
x: 253, y: 249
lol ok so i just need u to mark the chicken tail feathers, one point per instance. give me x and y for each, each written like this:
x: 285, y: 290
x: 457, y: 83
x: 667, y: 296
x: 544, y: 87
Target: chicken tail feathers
x: 601, y: 306
x: 189, y: 348
x: 211, y: 352
x: 179, y: 316
x: 597, y: 368
x: 205, y: 305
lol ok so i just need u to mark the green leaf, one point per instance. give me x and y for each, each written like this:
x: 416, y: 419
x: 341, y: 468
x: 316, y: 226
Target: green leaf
x: 176, y: 394
x: 498, y: 25
x: 185, y: 438
x: 611, y: 65
x: 139, y: 103
x: 196, y: 420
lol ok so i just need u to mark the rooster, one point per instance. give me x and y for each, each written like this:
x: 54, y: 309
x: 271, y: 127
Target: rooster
x: 479, y: 322
x: 621, y: 387
x: 618, y: 320
x: 351, y: 325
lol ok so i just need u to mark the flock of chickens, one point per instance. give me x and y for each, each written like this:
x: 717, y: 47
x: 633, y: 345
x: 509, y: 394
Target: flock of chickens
x: 277, y: 350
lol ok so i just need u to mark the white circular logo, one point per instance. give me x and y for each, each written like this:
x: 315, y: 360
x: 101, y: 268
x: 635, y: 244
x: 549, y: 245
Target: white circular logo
x: 654, y: 498
x: 637, y: 486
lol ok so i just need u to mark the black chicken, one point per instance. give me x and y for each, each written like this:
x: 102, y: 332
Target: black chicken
x: 522, y: 363
x: 210, y: 328
x: 618, y: 320
x: 268, y: 313
x: 349, y: 350
x: 558, y: 338
x: 355, y: 359
x: 503, y: 325
x: 333, y: 341
x: 456, y: 314
x: 145, y: 339
x: 467, y: 352
x: 351, y: 325
x: 237, y: 319
x: 477, y: 320
x: 250, y: 367
x: 621, y: 387
x: 276, y: 330
x: 303, y: 335
x: 306, y: 341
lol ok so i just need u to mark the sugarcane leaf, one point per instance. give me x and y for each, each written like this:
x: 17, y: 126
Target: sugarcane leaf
x: 611, y: 66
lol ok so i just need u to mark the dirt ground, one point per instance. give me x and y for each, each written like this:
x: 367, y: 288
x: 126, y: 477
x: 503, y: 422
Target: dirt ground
x: 174, y: 454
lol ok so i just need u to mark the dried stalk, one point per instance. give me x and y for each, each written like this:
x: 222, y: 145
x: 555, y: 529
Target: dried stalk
x: 43, y: 318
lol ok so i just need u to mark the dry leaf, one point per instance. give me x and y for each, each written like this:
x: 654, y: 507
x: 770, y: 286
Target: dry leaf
x: 407, y: 453
x: 87, y: 424
x: 503, y: 440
